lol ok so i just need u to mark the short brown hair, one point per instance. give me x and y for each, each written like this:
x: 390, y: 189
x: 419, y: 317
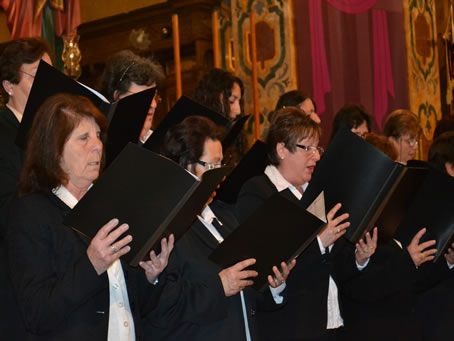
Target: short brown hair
x: 18, y: 52
x: 382, y: 143
x: 184, y: 142
x: 288, y: 126
x: 52, y: 125
x: 401, y: 122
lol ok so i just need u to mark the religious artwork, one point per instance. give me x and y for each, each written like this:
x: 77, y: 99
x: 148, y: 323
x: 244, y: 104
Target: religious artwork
x: 276, y: 61
x: 423, y: 71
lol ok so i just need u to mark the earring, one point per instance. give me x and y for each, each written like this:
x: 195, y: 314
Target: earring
x: 282, y: 158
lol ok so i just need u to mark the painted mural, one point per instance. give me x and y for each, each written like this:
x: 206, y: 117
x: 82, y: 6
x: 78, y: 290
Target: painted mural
x: 275, y: 50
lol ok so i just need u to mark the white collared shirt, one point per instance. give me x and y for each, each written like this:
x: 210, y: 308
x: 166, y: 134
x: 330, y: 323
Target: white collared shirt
x: 334, y: 318
x: 206, y: 219
x: 121, y: 322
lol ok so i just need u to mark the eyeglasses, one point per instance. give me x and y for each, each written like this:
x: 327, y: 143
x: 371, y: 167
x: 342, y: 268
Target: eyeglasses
x: 28, y: 74
x: 412, y: 142
x: 209, y: 166
x: 312, y: 149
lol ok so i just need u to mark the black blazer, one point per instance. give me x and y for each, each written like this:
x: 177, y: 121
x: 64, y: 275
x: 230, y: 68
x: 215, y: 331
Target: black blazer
x: 11, y: 160
x: 386, y: 295
x: 60, y: 295
x: 201, y: 311
x: 305, y: 313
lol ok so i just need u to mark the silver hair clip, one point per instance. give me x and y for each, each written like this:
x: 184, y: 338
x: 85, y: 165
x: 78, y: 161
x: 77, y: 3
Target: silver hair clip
x: 126, y: 70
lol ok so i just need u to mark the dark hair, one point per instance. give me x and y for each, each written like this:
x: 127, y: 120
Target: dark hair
x: 184, y: 142
x: 442, y: 151
x: 401, y: 122
x: 288, y: 126
x: 213, y: 84
x: 444, y: 125
x: 19, y: 52
x: 350, y: 116
x: 292, y: 99
x: 124, y: 68
x: 382, y: 143
x: 52, y: 125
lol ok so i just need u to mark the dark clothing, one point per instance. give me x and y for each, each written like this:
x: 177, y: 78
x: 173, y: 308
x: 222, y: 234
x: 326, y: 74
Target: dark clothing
x: 60, y: 295
x: 11, y: 160
x: 384, y: 298
x: 305, y: 314
x: 201, y: 311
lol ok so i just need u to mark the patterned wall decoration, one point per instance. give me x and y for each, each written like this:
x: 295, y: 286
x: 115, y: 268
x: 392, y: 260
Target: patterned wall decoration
x: 275, y: 50
x: 423, y: 70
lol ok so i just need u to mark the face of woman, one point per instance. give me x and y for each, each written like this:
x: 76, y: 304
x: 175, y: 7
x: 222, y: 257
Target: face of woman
x: 308, y: 107
x: 81, y: 158
x: 361, y: 130
x: 212, y: 156
x: 406, y: 147
x: 234, y: 102
x: 19, y: 92
x: 135, y: 88
x: 297, y: 167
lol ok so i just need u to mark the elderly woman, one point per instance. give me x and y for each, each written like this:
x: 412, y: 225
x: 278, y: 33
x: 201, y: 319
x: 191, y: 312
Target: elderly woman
x: 296, y: 98
x: 223, y: 92
x: 353, y: 117
x: 216, y: 303
x: 68, y: 288
x: 403, y: 130
x: 313, y: 307
x: 127, y: 73
x: 18, y: 63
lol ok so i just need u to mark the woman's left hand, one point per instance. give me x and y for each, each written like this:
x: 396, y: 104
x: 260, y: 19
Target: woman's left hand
x: 157, y: 264
x: 365, y: 250
x: 281, y: 276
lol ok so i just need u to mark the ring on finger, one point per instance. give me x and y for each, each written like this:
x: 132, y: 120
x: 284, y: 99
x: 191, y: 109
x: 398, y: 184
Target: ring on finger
x: 113, y: 249
x: 338, y: 230
x: 423, y: 256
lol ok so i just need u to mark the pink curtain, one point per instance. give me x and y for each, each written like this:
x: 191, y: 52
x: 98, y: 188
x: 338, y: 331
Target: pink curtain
x: 383, y: 78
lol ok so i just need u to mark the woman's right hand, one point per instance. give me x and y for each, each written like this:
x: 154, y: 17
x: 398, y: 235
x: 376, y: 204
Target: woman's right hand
x: 335, y: 228
x: 235, y: 278
x: 418, y: 252
x: 104, y: 248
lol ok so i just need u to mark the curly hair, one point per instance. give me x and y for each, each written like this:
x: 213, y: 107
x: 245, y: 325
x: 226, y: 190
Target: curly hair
x: 124, y: 68
x: 19, y: 52
x: 383, y: 144
x: 184, y: 142
x: 214, y: 90
x: 52, y: 125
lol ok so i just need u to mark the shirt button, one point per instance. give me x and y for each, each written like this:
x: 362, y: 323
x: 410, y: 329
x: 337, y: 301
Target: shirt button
x: 126, y: 324
x: 120, y: 305
x: 115, y: 285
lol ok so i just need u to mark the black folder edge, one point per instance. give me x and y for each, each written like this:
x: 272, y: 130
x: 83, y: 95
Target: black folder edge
x: 48, y: 82
x: 225, y: 256
x: 250, y: 165
x: 126, y: 119
x: 406, y: 232
x: 354, y: 233
x: 233, y: 131
x: 213, y: 178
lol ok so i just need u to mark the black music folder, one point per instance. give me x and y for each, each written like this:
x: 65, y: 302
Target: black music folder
x: 151, y: 193
x: 433, y: 208
x: 250, y: 165
x: 364, y: 180
x: 278, y: 231
x: 125, y: 117
x: 186, y: 107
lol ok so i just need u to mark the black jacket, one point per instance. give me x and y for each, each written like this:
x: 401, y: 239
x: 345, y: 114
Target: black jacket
x: 60, y: 295
x: 201, y: 311
x: 305, y: 313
